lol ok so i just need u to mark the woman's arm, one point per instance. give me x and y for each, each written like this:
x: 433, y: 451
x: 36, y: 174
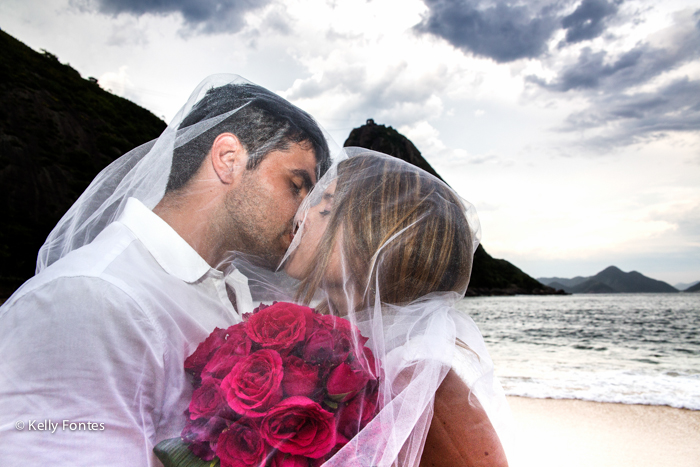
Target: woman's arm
x: 460, y: 434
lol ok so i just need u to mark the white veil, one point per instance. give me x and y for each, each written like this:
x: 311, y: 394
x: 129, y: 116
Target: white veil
x: 389, y: 247
x: 144, y: 172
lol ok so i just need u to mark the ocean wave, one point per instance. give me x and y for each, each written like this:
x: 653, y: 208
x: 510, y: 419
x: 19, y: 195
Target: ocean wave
x: 671, y: 389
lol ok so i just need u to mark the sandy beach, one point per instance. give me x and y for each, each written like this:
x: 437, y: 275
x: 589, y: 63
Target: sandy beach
x: 571, y: 433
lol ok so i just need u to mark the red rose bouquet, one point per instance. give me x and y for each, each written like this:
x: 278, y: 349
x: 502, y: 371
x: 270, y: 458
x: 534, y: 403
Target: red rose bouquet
x: 287, y: 387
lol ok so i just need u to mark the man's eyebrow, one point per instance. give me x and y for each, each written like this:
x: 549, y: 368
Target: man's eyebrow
x: 306, y: 178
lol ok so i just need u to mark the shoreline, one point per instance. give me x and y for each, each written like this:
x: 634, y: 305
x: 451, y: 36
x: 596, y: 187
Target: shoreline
x: 572, y: 432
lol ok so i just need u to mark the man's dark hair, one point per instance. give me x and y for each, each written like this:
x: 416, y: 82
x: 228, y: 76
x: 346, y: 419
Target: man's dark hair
x: 264, y: 122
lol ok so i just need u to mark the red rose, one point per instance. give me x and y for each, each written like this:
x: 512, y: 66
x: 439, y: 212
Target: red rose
x: 262, y: 306
x: 206, y: 400
x: 355, y: 414
x: 341, y: 325
x: 319, y: 346
x: 241, y: 446
x: 369, y: 363
x: 280, y: 326
x: 333, y: 322
x: 300, y: 378
x: 255, y: 383
x: 299, y: 426
x: 195, y: 362
x: 345, y: 381
x: 201, y: 433
x: 340, y: 441
x: 286, y: 460
x: 237, y: 345
x: 332, y: 339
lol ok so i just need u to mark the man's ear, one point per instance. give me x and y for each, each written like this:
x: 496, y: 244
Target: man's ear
x: 228, y: 157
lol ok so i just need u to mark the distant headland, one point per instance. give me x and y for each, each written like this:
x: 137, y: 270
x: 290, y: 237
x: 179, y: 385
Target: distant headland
x: 613, y: 280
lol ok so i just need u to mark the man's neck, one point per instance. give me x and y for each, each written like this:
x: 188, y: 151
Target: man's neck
x: 192, y: 220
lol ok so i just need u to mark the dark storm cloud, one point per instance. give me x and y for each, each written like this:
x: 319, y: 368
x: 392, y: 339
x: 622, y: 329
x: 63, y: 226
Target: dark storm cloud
x: 617, y: 109
x: 588, y: 20
x: 207, y: 16
x: 600, y: 71
x: 507, y: 31
x: 501, y: 31
x: 627, y: 119
x: 595, y: 70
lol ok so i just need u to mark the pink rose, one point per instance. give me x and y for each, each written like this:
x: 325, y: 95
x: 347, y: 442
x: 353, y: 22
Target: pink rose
x: 207, y: 400
x: 255, y: 383
x: 195, y: 362
x: 300, y: 378
x: 280, y: 326
x: 345, y: 381
x: 286, y: 460
x: 241, y: 446
x: 299, y: 426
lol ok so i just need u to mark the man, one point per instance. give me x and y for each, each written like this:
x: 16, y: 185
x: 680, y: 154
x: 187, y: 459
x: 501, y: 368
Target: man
x: 92, y: 348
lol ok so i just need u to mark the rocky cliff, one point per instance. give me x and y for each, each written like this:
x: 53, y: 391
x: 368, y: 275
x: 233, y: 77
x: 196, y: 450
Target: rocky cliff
x: 490, y: 276
x: 57, y: 131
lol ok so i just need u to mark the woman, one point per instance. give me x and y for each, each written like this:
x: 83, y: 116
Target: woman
x: 390, y: 247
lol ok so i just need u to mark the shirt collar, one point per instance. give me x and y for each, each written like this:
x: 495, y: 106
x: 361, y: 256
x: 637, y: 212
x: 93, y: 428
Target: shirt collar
x: 169, y: 249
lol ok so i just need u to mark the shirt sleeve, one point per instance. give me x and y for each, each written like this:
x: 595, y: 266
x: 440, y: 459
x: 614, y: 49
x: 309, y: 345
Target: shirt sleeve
x: 81, y: 377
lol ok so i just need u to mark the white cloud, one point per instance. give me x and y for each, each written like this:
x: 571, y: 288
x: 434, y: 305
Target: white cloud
x: 487, y: 131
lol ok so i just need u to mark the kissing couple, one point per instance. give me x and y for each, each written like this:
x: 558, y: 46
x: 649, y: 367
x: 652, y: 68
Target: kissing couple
x: 166, y: 245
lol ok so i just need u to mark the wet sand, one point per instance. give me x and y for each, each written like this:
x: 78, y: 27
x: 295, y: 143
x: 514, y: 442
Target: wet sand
x: 572, y: 433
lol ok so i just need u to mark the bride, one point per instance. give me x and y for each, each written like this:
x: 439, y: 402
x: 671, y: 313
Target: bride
x: 390, y: 247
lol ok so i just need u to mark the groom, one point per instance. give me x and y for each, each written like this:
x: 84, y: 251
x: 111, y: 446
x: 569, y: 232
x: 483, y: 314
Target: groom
x: 92, y: 348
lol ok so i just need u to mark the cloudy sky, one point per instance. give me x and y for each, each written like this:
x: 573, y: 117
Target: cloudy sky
x: 572, y: 125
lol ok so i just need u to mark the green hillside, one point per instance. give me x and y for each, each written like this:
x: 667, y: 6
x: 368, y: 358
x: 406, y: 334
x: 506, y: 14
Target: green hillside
x: 57, y: 131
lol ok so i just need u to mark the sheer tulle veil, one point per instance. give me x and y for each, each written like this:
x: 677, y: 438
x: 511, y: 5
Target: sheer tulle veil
x: 380, y: 243
x: 389, y: 247
x: 143, y: 173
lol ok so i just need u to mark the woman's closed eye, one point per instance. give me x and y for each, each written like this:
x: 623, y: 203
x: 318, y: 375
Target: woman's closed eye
x: 324, y: 213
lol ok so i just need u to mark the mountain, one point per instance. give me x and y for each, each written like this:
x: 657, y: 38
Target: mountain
x: 57, y: 131
x: 695, y: 288
x: 385, y: 139
x: 684, y: 286
x: 591, y: 286
x: 610, y: 280
x: 562, y: 283
x: 490, y: 276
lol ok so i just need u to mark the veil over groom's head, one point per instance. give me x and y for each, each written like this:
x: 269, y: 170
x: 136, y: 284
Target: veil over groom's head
x: 262, y: 121
x: 264, y: 125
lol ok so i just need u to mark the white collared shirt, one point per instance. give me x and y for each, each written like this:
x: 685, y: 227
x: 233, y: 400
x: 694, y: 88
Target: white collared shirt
x: 92, y: 349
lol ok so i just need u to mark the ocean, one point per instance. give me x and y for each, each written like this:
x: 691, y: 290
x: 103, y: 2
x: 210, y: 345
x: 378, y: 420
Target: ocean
x: 626, y: 348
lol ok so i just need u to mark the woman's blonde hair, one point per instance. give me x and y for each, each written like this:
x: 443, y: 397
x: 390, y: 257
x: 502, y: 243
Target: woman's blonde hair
x: 402, y: 231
